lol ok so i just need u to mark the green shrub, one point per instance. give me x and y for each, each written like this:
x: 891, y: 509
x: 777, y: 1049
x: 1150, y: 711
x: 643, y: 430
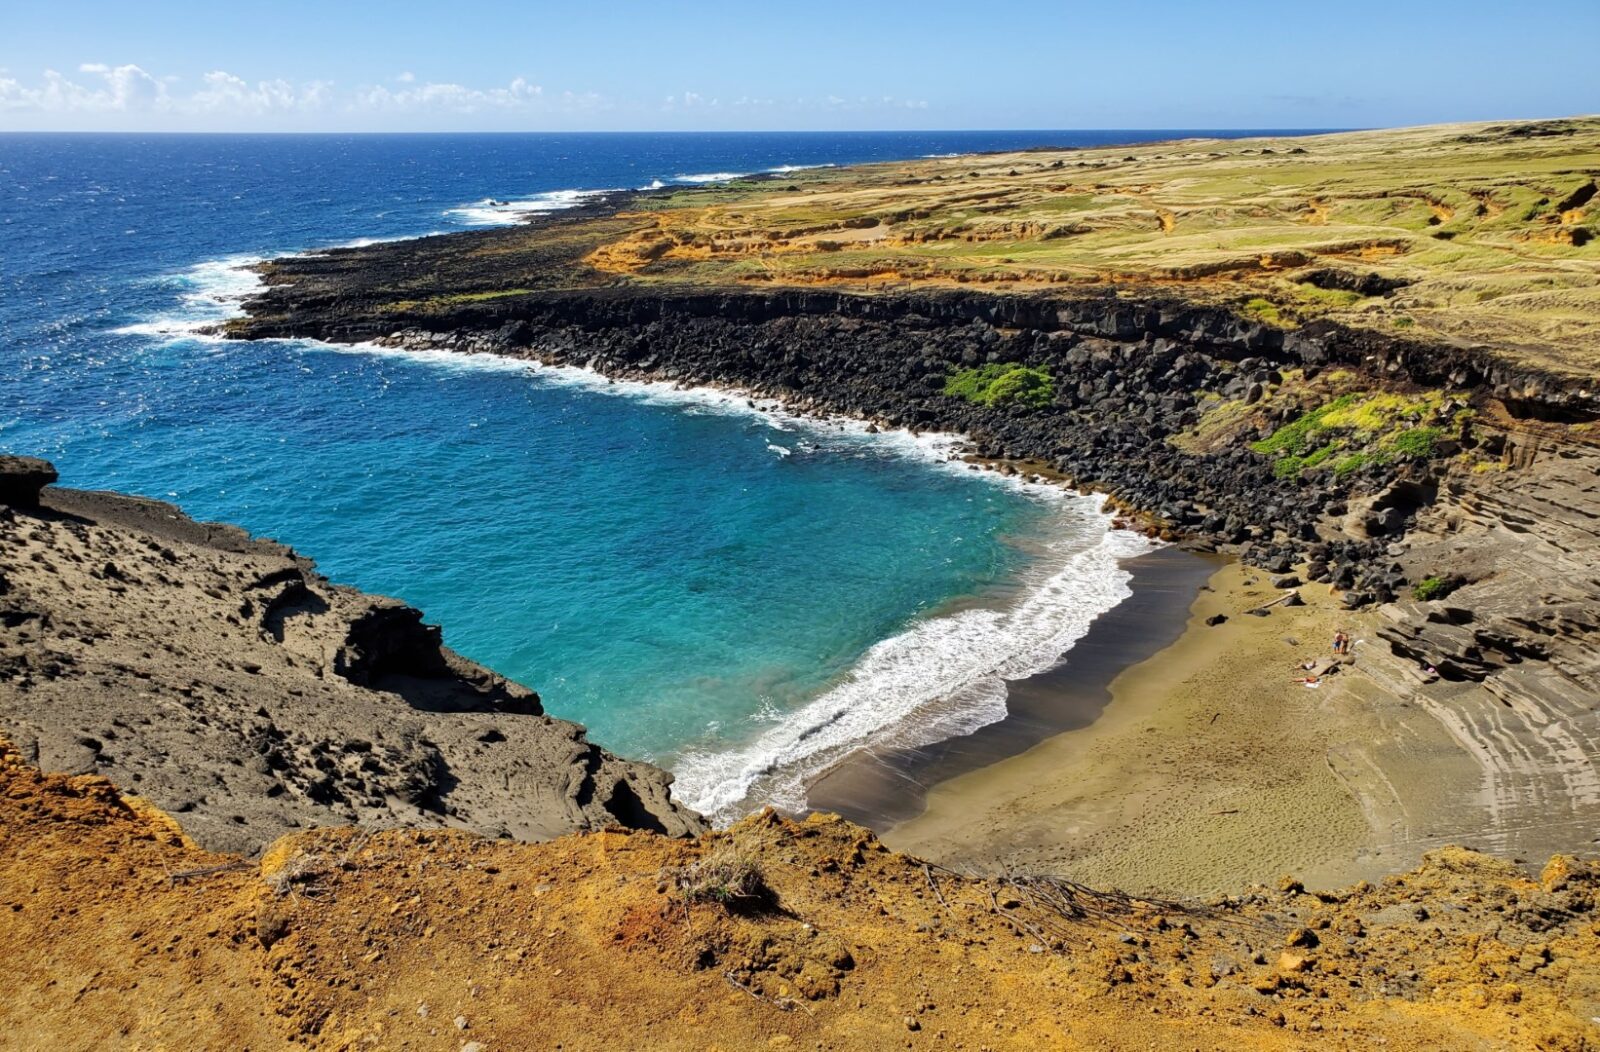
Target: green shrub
x: 1003, y: 383
x: 1265, y: 310
x: 1435, y: 587
x: 1354, y: 462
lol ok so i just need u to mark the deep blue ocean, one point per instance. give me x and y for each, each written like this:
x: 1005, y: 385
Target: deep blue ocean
x: 736, y: 594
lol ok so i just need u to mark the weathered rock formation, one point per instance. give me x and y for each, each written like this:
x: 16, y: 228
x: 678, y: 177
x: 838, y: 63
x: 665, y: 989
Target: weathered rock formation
x: 222, y: 678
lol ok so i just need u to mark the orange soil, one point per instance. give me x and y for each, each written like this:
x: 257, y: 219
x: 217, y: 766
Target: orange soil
x: 436, y: 940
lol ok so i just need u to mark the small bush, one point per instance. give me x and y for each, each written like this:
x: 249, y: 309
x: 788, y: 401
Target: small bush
x: 1328, y: 297
x: 727, y: 877
x: 1289, y: 467
x: 1003, y: 383
x: 1435, y: 587
x: 1353, y: 463
x: 1265, y: 310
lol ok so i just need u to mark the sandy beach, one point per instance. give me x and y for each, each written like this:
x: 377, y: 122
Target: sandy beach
x: 882, y: 786
x: 1210, y: 767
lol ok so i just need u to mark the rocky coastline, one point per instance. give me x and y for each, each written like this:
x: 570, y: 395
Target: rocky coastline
x: 1133, y: 377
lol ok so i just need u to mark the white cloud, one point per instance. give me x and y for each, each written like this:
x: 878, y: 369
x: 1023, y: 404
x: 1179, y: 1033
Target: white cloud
x: 100, y: 88
x: 226, y: 93
x: 520, y: 94
x: 129, y: 89
x: 102, y: 95
x: 111, y: 90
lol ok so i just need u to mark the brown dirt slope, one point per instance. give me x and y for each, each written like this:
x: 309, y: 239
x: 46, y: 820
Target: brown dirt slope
x: 120, y: 933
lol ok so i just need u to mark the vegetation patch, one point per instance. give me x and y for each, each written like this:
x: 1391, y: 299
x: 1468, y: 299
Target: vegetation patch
x: 1435, y: 587
x: 1330, y: 298
x: 452, y: 300
x: 1003, y: 383
x: 1359, y: 429
x: 1264, y: 310
x: 729, y: 877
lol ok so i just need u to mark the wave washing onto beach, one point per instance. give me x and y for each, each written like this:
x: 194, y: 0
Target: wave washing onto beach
x: 943, y: 677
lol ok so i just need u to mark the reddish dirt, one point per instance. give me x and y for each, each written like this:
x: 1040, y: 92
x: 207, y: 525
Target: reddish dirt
x: 441, y: 940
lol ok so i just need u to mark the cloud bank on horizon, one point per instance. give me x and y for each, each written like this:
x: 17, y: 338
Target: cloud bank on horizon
x: 101, y: 96
x: 510, y: 65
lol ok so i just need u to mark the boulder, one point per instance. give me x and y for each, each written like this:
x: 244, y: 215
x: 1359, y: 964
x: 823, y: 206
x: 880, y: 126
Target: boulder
x: 21, y: 479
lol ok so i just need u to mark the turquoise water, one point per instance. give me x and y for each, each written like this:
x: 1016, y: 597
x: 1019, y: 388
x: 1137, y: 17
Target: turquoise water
x: 732, y: 592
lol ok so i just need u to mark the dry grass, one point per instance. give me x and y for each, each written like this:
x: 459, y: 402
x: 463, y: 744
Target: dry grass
x: 728, y: 875
x: 1491, y: 228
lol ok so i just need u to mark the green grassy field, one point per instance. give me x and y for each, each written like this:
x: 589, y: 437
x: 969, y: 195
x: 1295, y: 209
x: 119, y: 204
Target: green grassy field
x: 1490, y: 232
x: 1482, y: 235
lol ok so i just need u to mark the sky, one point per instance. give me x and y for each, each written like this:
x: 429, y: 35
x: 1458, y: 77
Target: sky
x: 524, y: 65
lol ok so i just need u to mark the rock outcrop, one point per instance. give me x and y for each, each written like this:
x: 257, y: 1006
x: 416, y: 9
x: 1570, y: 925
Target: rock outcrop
x: 21, y: 479
x: 222, y: 678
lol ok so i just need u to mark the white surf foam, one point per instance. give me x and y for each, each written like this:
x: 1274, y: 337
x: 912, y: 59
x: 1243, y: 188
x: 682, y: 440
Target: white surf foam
x: 494, y: 212
x: 709, y: 177
x: 728, y: 177
x: 207, y: 293
x: 942, y: 677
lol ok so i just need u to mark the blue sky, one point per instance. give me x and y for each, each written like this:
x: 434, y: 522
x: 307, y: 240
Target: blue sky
x: 341, y: 65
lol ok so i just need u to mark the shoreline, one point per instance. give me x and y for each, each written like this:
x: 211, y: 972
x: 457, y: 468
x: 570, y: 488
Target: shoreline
x: 1176, y: 786
x: 1186, y: 410
x: 883, y: 787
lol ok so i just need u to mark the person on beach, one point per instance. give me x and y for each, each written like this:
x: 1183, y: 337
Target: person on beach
x: 1341, y: 643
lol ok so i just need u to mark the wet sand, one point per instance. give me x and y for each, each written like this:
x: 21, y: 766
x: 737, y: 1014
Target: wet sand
x: 885, y: 786
x: 1210, y: 767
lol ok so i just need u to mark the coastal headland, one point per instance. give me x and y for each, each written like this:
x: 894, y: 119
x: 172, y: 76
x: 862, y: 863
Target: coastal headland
x: 243, y: 806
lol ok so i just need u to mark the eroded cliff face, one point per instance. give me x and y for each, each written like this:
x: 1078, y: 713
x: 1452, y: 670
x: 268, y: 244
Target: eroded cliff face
x: 222, y: 678
x: 1133, y: 380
